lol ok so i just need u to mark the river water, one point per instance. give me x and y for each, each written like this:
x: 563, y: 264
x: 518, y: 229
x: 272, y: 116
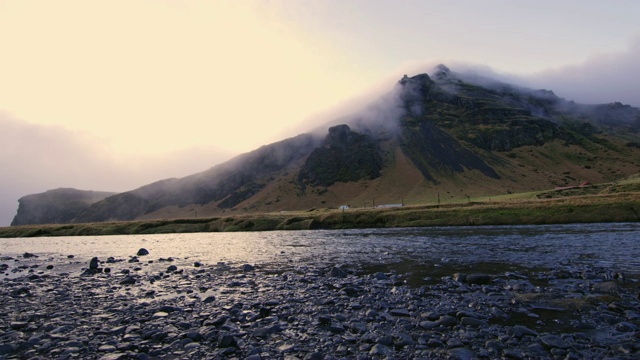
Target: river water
x: 614, y: 246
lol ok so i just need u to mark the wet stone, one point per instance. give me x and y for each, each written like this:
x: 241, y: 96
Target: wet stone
x: 554, y: 341
x: 272, y: 314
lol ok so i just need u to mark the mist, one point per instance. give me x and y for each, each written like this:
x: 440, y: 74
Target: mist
x: 601, y: 79
x: 37, y: 158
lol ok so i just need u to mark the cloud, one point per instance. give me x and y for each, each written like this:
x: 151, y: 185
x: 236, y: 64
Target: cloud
x: 603, y: 78
x: 36, y: 158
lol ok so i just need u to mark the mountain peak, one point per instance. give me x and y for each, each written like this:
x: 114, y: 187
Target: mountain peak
x: 441, y: 72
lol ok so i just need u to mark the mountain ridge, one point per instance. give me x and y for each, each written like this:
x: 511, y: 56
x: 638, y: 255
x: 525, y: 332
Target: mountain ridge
x: 447, y: 134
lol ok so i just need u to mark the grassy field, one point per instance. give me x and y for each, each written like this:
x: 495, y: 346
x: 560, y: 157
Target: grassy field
x: 619, y: 202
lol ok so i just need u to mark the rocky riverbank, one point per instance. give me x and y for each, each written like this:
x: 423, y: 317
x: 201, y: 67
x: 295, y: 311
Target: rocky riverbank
x: 150, y: 308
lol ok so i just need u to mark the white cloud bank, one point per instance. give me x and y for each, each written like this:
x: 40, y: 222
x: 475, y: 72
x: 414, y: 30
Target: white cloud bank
x: 36, y: 158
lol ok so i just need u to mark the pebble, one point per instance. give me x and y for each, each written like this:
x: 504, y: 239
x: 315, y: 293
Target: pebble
x: 313, y: 312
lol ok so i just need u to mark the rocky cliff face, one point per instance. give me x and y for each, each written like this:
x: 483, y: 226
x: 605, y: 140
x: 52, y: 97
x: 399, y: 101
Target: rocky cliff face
x: 55, y: 206
x: 447, y: 126
x: 344, y: 156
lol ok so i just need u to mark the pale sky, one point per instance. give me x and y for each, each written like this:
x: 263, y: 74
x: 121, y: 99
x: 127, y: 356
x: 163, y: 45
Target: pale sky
x: 112, y: 95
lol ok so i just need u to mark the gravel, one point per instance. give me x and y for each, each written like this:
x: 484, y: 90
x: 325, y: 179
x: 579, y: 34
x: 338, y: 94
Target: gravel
x: 147, y: 310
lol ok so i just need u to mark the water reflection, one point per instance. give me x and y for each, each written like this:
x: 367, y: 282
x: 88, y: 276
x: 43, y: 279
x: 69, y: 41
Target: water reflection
x: 609, y: 245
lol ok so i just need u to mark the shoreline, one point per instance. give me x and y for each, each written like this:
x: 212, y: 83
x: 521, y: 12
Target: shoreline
x: 619, y: 207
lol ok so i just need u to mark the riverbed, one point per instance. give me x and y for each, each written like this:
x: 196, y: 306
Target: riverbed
x: 565, y: 291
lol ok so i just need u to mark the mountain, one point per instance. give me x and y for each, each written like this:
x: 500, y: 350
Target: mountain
x: 439, y: 137
x: 56, y: 206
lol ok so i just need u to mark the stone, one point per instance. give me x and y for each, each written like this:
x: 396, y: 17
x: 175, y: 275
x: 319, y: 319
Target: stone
x: 6, y: 349
x: 227, y: 340
x: 520, y: 331
x: 128, y: 280
x: 461, y: 353
x: 247, y: 268
x: 107, y: 348
x: 447, y: 321
x: 553, y: 342
x: 400, y: 312
x: 142, y: 252
x: 380, y: 276
x: 606, y: 287
x: 336, y: 272
x: 469, y: 321
x: 478, y: 279
x: 380, y: 350
x: 93, y: 264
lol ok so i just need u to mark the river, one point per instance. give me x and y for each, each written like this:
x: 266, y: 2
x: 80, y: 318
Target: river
x: 611, y: 245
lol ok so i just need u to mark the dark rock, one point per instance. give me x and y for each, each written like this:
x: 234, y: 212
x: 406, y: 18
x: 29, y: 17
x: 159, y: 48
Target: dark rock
x: 626, y: 327
x: 128, y: 280
x: 167, y: 308
x: 93, y: 264
x: 6, y: 349
x: 17, y: 325
x: 172, y: 268
x: 428, y: 325
x: 447, y: 321
x: 227, y: 340
x: 380, y: 276
x: 478, y: 279
x: 520, y: 331
x: 553, y: 341
x: 606, y: 287
x: 351, y: 291
x: 142, y: 252
x: 459, y: 277
x: 247, y: 268
x: 400, y: 312
x: 469, y: 321
x: 380, y: 350
x: 461, y: 353
x: 512, y: 354
x: 29, y: 255
x: 336, y: 272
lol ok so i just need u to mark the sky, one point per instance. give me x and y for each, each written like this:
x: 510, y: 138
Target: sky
x: 112, y: 95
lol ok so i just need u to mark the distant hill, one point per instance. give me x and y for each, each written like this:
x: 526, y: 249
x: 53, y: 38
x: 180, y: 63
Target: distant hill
x: 56, y: 206
x: 439, y: 137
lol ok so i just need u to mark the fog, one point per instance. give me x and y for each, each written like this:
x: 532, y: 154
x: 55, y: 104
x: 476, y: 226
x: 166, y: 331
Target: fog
x: 603, y: 78
x: 36, y: 158
x: 600, y: 79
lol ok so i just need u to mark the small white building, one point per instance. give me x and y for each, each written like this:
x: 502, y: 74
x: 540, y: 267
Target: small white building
x: 343, y: 207
x: 390, y: 205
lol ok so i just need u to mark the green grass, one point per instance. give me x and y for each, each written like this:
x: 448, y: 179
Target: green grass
x: 512, y: 209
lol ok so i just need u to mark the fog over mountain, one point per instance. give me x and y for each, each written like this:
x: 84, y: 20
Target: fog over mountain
x: 36, y: 158
x: 602, y: 78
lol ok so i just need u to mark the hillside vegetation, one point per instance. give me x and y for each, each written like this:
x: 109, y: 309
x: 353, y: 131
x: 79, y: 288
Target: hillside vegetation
x: 611, y: 202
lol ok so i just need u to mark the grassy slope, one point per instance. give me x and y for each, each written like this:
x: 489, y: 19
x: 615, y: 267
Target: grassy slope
x: 602, y: 203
